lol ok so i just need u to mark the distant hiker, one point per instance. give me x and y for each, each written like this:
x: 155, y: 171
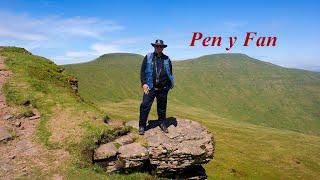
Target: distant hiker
x: 156, y: 81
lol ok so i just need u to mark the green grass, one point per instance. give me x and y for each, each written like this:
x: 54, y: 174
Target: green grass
x: 233, y: 86
x: 67, y: 121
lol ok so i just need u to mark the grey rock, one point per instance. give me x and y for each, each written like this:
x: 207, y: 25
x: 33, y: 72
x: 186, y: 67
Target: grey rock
x: 132, y: 150
x: 126, y: 139
x: 26, y: 146
x: 7, y: 117
x: 133, y: 123
x: 17, y: 124
x: 188, y: 144
x: 112, y: 122
x: 105, y: 151
x: 34, y: 117
x: 5, y: 135
x: 6, y: 166
x: 133, y: 155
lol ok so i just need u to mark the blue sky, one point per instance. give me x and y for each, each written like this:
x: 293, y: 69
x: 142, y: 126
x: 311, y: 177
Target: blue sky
x: 78, y: 31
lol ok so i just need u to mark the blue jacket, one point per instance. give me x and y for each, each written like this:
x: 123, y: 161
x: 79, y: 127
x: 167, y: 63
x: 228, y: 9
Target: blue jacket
x: 149, y: 71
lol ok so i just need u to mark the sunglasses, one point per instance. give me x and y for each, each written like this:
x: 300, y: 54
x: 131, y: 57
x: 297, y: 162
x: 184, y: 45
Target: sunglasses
x: 158, y: 46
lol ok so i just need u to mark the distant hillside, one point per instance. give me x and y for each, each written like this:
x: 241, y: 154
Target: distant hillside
x: 234, y: 86
x: 109, y: 77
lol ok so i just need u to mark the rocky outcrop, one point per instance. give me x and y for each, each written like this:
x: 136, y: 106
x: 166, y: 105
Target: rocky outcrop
x: 73, y: 83
x: 187, y: 146
x: 105, y: 151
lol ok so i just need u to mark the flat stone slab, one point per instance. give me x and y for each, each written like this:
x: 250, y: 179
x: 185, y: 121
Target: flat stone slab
x: 132, y: 150
x: 126, y: 139
x: 105, y: 151
x: 133, y: 155
x: 133, y: 123
x: 7, y: 117
x: 113, y: 122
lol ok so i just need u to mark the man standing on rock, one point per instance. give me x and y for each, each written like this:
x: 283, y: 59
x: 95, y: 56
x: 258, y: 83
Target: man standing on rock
x: 156, y: 81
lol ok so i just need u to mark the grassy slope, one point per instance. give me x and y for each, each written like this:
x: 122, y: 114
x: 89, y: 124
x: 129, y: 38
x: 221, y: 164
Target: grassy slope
x: 67, y: 122
x: 109, y: 77
x: 233, y: 86
x: 242, y: 150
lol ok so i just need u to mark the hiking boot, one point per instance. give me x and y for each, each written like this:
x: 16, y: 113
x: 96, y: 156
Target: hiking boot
x: 141, y: 130
x: 164, y: 128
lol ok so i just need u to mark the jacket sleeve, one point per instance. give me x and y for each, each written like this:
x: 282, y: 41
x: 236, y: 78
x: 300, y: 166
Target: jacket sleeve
x: 170, y: 64
x: 142, y: 73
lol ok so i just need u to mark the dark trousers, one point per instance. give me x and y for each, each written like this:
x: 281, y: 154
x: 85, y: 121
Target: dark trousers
x: 146, y: 104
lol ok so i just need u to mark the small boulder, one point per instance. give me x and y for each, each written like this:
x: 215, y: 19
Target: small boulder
x: 133, y: 123
x: 112, y: 122
x: 132, y: 150
x: 8, y: 117
x: 5, y: 135
x: 133, y: 155
x: 105, y: 151
x: 17, y: 124
x: 34, y: 117
x: 126, y: 139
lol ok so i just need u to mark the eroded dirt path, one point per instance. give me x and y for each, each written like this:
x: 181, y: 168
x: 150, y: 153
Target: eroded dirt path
x: 20, y: 155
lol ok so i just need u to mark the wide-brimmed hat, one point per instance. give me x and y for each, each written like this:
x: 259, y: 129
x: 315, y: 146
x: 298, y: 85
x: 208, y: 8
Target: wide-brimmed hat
x: 159, y: 42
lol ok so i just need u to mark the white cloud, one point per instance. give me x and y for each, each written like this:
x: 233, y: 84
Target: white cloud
x: 99, y: 49
x: 91, y: 27
x: 11, y: 33
x: 26, y: 28
x: 96, y: 50
x: 54, y: 35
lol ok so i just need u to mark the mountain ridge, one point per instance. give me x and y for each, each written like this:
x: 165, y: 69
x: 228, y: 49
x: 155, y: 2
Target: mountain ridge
x: 194, y: 59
